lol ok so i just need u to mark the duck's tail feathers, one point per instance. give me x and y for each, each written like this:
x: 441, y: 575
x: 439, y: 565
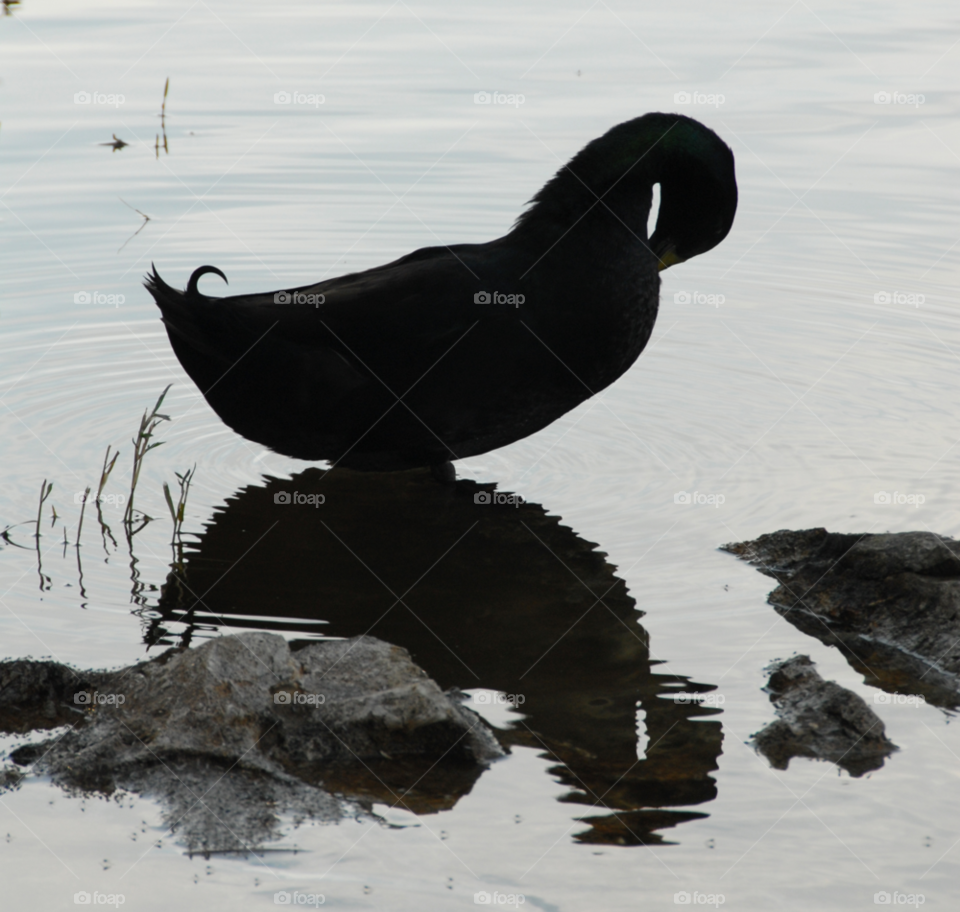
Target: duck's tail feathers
x: 162, y: 291
x: 197, y: 273
x: 186, y: 320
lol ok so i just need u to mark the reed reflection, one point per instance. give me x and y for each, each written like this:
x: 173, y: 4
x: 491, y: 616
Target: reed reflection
x: 484, y: 594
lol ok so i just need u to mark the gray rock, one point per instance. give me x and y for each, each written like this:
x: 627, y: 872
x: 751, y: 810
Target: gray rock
x: 241, y: 729
x: 38, y: 695
x: 889, y: 602
x: 821, y: 720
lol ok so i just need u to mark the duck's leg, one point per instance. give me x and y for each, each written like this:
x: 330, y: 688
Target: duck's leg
x: 444, y: 472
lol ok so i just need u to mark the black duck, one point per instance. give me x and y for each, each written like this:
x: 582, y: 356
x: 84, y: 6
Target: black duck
x: 453, y: 351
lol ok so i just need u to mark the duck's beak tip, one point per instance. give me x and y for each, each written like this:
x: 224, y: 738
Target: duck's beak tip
x: 668, y: 258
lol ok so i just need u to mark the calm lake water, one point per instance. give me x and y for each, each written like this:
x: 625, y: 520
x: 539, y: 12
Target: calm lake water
x: 822, y: 371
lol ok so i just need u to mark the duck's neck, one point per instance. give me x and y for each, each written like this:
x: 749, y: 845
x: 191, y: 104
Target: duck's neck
x: 606, y: 186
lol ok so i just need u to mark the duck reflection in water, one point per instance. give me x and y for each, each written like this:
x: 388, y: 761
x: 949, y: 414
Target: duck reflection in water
x: 484, y: 592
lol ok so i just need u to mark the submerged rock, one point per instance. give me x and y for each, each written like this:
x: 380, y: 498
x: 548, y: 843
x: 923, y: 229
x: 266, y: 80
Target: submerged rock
x: 890, y: 602
x: 242, y: 728
x: 821, y: 720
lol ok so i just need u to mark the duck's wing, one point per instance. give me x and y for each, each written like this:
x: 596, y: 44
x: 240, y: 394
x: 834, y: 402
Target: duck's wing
x: 385, y: 326
x: 396, y: 319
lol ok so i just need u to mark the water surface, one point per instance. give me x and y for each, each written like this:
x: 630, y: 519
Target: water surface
x: 815, y: 384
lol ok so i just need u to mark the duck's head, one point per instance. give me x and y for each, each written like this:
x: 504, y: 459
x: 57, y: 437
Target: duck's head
x: 698, y: 185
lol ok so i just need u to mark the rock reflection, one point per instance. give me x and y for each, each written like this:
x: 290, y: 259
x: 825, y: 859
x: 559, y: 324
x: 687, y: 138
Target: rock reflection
x: 483, y: 594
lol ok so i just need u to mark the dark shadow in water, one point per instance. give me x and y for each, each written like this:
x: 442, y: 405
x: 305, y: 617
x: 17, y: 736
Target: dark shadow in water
x: 483, y: 595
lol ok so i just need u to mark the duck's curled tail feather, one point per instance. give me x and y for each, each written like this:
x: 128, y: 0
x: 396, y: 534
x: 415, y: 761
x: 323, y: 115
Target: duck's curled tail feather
x: 202, y: 271
x: 160, y: 289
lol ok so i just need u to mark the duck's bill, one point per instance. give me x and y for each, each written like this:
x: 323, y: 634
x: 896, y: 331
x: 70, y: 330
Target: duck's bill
x: 667, y: 259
